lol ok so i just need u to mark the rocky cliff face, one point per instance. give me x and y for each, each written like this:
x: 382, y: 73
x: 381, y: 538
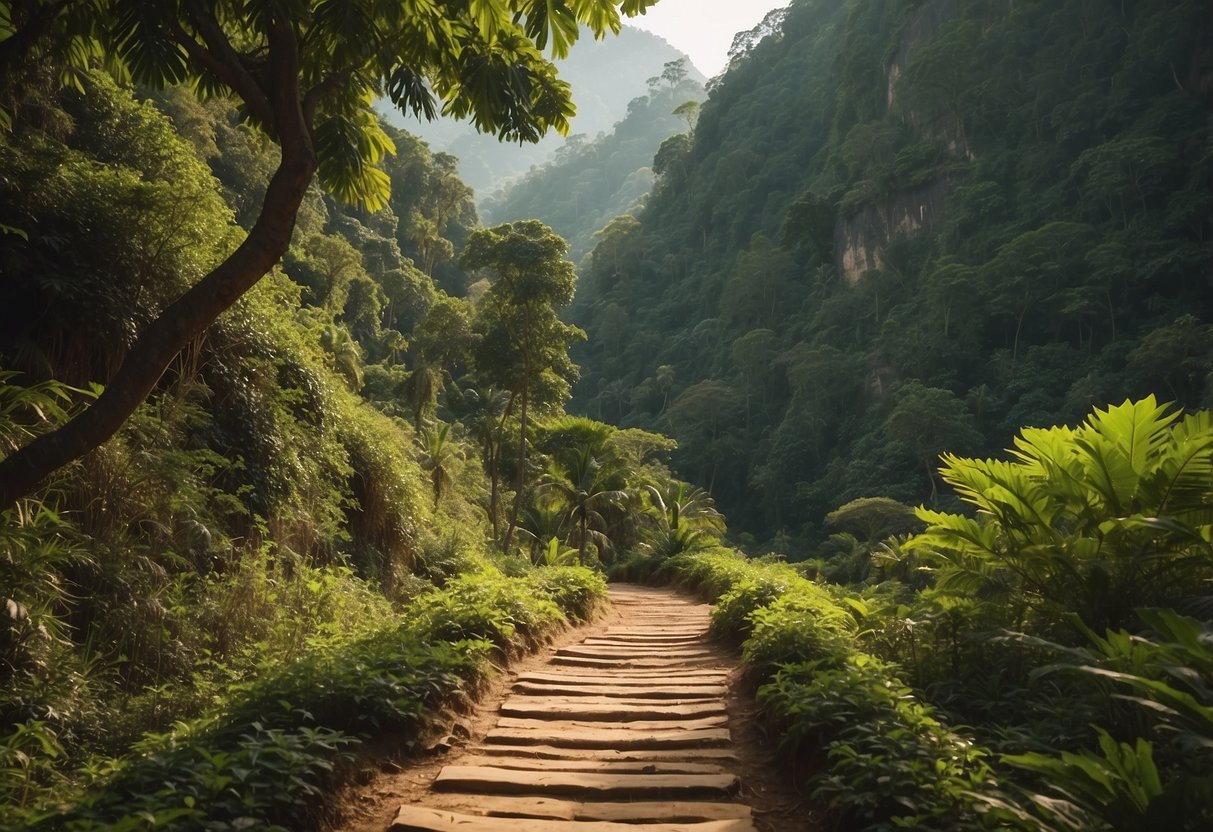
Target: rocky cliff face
x: 920, y: 26
x: 859, y: 238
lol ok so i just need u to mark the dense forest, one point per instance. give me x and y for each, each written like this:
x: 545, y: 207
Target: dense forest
x: 589, y: 183
x: 940, y: 252
x: 607, y: 76
x: 904, y: 227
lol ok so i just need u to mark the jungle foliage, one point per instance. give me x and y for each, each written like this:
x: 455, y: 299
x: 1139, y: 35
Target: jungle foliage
x: 299, y: 539
x: 900, y: 228
x: 1062, y: 620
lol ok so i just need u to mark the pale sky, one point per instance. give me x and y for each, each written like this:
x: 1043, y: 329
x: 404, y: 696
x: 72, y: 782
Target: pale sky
x: 704, y: 29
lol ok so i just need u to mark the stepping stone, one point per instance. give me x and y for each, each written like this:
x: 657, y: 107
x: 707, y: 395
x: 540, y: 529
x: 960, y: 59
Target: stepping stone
x: 549, y: 752
x: 421, y: 819
x: 652, y: 691
x: 599, y: 699
x: 689, y: 676
x: 591, y: 766
x: 637, y: 641
x: 577, y: 661
x: 560, y: 726
x: 631, y: 812
x: 600, y: 651
x: 618, y: 710
x: 617, y: 785
x: 612, y: 737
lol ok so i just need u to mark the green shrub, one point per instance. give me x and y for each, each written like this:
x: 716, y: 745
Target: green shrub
x: 264, y: 757
x: 892, y: 763
x: 576, y: 590
x: 731, y: 615
x: 487, y: 606
x: 797, y: 627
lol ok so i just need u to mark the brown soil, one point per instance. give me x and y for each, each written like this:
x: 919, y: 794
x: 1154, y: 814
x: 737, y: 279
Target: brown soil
x: 672, y: 658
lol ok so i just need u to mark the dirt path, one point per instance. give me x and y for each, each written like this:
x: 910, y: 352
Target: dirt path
x: 635, y: 723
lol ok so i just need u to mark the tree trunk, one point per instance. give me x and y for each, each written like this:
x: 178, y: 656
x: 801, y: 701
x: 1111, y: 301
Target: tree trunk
x: 581, y: 548
x: 186, y: 318
x: 520, y: 479
x: 493, y: 487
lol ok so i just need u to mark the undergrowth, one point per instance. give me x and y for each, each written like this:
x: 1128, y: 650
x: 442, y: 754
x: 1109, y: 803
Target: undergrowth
x: 892, y: 763
x: 263, y: 755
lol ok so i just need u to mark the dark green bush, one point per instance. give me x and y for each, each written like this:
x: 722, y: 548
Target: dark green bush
x: 893, y: 765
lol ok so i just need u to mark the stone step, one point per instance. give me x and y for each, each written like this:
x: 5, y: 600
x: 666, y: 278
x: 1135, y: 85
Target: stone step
x: 590, y: 766
x: 602, y: 651
x: 650, y: 691
x: 689, y: 676
x: 421, y: 819
x: 720, y: 754
x: 596, y: 785
x: 606, y: 708
x: 561, y: 726
x: 620, y: 812
x: 612, y: 737
x: 654, y: 663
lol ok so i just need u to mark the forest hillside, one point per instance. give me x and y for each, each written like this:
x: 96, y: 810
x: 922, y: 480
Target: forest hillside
x: 590, y: 182
x: 902, y: 227
x: 606, y: 74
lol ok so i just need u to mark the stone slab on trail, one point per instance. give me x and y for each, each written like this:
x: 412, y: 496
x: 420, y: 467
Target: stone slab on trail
x: 640, y: 811
x: 594, y: 784
x: 607, y: 709
x: 421, y: 819
x: 551, y: 752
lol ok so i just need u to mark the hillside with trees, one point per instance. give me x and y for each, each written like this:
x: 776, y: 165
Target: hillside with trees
x: 606, y: 75
x: 899, y: 228
x: 589, y: 183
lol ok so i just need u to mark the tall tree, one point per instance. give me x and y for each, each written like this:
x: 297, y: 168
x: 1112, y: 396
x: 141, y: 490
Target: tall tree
x: 306, y: 73
x: 524, y: 346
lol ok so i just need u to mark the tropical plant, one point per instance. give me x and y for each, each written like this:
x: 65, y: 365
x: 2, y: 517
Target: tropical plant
x: 683, y: 517
x: 589, y: 485
x: 543, y: 518
x: 439, y: 454
x: 1099, y: 519
x: 555, y: 554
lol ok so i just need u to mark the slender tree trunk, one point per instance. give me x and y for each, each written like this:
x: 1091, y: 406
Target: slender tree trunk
x: 186, y: 318
x: 494, y: 458
x: 520, y: 479
x: 493, y: 488
x: 581, y: 549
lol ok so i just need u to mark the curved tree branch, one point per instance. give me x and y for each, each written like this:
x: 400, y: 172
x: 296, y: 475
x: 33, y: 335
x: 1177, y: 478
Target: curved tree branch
x: 187, y: 317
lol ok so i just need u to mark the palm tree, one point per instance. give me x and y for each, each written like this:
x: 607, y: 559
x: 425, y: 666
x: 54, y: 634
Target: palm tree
x: 438, y: 457
x: 683, y: 503
x: 589, y: 484
x: 544, y: 519
x: 343, y: 354
x: 484, y: 412
x: 685, y: 518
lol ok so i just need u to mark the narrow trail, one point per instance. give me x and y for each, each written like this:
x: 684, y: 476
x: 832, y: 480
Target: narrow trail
x: 626, y: 729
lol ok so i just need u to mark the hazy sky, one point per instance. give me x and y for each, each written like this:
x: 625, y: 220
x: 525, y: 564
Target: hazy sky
x: 704, y: 29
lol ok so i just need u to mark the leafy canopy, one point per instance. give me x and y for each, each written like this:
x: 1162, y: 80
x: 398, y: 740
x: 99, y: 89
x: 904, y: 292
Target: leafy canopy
x: 477, y: 59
